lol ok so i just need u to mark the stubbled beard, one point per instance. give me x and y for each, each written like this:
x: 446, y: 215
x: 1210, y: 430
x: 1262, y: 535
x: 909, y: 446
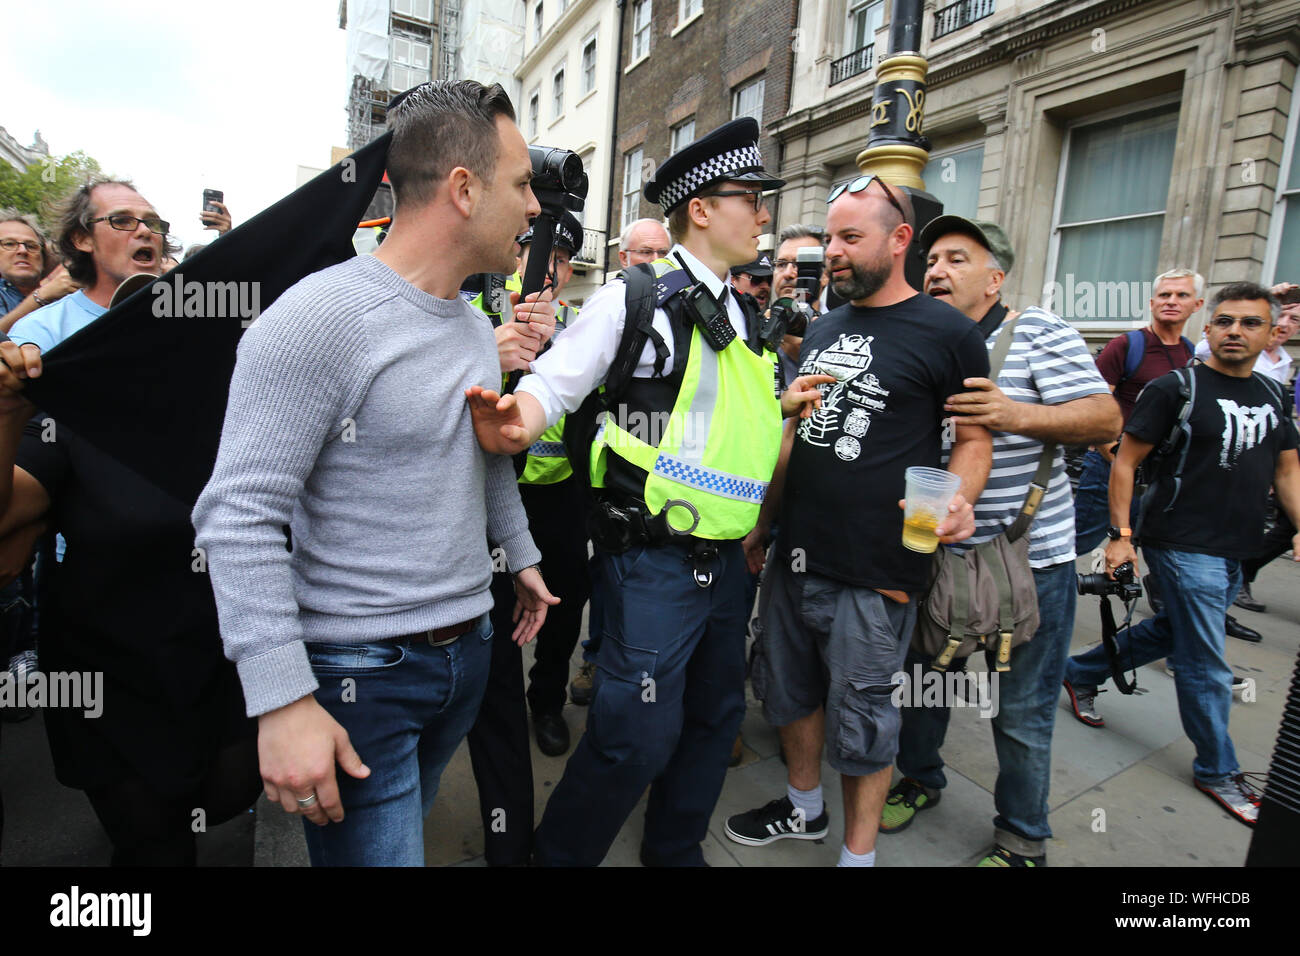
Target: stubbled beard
x: 864, y: 281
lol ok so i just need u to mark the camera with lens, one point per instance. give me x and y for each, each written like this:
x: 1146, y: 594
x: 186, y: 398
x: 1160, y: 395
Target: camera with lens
x: 1123, y: 585
x: 559, y: 181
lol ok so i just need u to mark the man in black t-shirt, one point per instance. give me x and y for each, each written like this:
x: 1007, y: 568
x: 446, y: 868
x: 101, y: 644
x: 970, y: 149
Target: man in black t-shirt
x: 1196, y: 531
x: 839, y: 598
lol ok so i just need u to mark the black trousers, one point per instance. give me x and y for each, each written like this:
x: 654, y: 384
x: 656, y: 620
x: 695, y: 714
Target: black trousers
x: 557, y: 520
x: 498, y: 743
x: 152, y: 829
x: 1277, y: 540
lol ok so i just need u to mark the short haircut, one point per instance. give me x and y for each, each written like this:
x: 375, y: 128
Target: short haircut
x: 680, y: 218
x: 800, y: 231
x: 1248, y: 292
x: 72, y: 215
x: 626, y: 237
x: 1198, y: 280
x: 439, y: 126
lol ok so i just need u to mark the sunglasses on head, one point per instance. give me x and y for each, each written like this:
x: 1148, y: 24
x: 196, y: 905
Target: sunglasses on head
x: 861, y: 183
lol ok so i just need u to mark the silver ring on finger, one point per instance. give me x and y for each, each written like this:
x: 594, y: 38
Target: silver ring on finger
x: 306, y: 803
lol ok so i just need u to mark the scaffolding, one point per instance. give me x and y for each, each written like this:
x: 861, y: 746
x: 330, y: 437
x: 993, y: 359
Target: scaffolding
x: 450, y: 40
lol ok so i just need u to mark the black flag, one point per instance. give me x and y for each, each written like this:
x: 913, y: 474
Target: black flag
x: 147, y: 383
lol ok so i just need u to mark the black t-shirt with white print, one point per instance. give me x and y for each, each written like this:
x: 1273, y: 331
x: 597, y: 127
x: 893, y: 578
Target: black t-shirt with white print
x: 894, y: 367
x: 1239, y: 427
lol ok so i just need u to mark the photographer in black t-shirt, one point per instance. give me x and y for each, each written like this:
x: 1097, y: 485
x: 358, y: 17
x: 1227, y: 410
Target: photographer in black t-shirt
x: 1197, y: 530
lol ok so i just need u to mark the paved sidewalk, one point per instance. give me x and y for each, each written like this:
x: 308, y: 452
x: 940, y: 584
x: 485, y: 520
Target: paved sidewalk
x: 1134, y: 776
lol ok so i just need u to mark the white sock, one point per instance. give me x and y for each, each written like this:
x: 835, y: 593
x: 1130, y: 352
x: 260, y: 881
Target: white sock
x: 849, y: 858
x: 809, y: 801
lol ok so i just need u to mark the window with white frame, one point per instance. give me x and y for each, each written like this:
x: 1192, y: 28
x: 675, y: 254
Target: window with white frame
x: 683, y: 134
x: 640, y: 29
x: 533, y: 109
x: 747, y: 100
x: 954, y: 179
x: 687, y: 9
x: 1282, y: 261
x: 589, y: 64
x: 408, y: 64
x: 415, y: 9
x: 557, y: 93
x: 1110, y: 213
x: 865, y: 18
x: 631, y: 185
x: 537, y: 22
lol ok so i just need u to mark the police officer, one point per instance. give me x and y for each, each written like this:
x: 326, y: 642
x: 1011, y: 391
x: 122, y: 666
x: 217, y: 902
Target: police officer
x: 679, y: 467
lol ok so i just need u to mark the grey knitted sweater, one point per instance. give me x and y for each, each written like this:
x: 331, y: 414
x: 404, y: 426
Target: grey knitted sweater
x: 347, y: 422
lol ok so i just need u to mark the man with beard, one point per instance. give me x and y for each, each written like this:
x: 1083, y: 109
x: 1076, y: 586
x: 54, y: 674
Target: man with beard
x: 839, y: 601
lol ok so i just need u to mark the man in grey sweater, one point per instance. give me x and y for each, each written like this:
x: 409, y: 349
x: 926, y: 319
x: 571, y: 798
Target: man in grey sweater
x: 368, y: 627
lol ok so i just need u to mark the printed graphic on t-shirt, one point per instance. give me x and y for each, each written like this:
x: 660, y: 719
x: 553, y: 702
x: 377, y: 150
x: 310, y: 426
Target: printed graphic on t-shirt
x: 1244, y: 427
x: 848, y: 402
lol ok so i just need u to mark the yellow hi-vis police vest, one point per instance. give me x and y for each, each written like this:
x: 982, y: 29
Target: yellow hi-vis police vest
x: 547, y: 463
x: 713, y: 453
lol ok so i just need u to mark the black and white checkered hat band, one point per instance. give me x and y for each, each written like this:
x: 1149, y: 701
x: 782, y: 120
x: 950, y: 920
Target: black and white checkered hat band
x: 744, y: 160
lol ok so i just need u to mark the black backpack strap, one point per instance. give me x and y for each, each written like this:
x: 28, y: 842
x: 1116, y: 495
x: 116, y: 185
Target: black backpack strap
x: 1177, y: 443
x: 638, y: 327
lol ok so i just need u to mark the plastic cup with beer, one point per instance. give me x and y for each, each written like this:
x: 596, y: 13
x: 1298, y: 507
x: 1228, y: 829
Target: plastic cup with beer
x: 925, y: 504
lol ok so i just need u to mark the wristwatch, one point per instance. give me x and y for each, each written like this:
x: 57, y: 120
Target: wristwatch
x: 1115, y: 533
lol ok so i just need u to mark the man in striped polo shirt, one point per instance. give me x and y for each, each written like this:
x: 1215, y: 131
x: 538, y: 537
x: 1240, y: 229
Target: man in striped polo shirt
x: 1048, y: 390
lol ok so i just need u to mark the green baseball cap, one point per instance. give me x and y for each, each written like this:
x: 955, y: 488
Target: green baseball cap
x: 989, y: 234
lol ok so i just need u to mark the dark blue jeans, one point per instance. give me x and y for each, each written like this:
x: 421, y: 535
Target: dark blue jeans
x: 1026, y: 699
x: 1197, y: 590
x: 668, y: 700
x: 406, y: 708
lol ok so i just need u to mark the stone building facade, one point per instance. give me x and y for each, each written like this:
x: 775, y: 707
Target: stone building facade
x: 1113, y: 139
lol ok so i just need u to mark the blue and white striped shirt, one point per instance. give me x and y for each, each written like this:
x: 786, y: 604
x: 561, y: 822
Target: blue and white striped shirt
x: 1049, y: 364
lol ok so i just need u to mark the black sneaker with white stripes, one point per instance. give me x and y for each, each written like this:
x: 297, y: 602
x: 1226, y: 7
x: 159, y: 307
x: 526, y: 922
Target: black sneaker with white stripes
x: 777, y: 820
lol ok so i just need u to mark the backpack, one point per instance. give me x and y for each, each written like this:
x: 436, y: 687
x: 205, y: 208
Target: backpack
x: 985, y: 596
x: 1135, y: 351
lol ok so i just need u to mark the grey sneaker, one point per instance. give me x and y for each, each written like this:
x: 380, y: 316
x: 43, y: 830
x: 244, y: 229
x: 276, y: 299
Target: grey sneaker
x: 1083, y: 703
x: 1233, y: 795
x: 23, y: 666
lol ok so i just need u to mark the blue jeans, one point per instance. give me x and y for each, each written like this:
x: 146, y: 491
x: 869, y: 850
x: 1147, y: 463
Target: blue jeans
x: 1091, y: 503
x: 667, y: 703
x: 1197, y: 590
x: 1022, y: 728
x: 406, y: 708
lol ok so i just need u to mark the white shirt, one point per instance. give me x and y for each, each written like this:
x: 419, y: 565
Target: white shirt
x: 1279, y: 371
x: 576, y: 364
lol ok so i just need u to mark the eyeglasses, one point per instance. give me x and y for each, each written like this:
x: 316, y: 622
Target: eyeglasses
x: 124, y: 223
x: 1250, y: 323
x: 861, y: 183
x: 757, y: 195
x: 654, y: 253
x: 9, y: 245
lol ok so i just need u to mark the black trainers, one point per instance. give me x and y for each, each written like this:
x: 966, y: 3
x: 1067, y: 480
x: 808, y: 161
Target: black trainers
x: 775, y: 821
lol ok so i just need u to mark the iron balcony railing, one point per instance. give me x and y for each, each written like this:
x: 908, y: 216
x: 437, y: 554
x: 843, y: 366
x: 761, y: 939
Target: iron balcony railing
x: 593, y: 247
x: 859, y: 61
x: 960, y: 14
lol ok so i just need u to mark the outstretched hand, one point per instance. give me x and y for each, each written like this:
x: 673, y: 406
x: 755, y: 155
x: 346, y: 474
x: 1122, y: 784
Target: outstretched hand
x: 498, y: 426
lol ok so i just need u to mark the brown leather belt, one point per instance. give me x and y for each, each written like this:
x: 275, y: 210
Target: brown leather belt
x: 440, y: 636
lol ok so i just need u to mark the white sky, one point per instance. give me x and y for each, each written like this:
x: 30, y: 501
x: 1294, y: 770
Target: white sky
x: 232, y: 95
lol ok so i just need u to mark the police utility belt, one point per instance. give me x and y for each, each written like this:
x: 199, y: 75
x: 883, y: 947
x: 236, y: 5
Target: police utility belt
x: 617, y: 527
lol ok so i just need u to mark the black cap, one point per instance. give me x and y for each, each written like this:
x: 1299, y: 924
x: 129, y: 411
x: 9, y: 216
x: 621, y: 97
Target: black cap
x: 760, y: 268
x: 568, y: 235
x: 727, y: 154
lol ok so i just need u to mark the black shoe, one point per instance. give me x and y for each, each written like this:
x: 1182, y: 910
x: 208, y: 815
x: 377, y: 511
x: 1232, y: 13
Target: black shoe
x: 1238, y: 630
x: 1153, y: 594
x: 552, y: 733
x: 775, y: 821
x: 1246, y: 601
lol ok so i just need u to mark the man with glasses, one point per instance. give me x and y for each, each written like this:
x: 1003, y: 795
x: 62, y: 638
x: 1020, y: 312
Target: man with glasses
x: 643, y: 241
x: 840, y: 592
x: 107, y: 231
x: 785, y: 268
x: 22, y: 264
x: 1239, y: 438
x: 673, y: 503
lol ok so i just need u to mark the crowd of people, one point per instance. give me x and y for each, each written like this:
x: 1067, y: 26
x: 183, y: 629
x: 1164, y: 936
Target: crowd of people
x: 423, y: 468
